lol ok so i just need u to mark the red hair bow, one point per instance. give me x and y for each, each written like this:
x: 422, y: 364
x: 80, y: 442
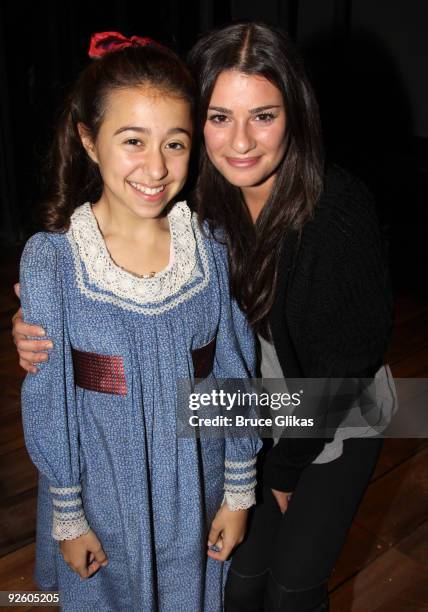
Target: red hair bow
x: 105, y: 42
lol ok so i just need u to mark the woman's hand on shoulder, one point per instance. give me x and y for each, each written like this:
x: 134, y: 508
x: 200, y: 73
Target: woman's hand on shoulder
x: 30, y: 351
x: 84, y: 555
x: 227, y: 531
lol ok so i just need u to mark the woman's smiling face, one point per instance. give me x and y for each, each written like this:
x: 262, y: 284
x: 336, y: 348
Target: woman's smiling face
x: 245, y: 129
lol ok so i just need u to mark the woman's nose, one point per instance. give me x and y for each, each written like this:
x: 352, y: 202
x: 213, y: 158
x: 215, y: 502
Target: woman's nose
x: 243, y: 140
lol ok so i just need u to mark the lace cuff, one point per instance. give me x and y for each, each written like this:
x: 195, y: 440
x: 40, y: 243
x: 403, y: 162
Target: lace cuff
x: 69, y: 521
x: 240, y: 501
x: 239, y: 484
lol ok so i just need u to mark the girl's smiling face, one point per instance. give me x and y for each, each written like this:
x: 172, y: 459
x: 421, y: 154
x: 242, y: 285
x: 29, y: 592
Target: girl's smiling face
x: 142, y: 149
x: 245, y: 129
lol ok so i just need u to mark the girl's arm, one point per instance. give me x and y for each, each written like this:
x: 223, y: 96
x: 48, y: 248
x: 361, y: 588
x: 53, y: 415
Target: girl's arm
x: 48, y: 400
x: 235, y: 358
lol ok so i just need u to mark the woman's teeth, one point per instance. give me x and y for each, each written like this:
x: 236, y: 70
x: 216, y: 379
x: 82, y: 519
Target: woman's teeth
x: 147, y: 190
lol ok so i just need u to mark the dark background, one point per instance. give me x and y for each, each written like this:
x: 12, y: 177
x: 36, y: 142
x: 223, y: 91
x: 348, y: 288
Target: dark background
x: 367, y: 60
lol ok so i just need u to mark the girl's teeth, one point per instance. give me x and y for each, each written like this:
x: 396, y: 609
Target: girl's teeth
x: 147, y: 190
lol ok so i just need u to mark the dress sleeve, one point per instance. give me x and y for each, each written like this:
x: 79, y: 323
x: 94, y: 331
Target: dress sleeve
x: 235, y: 358
x: 48, y: 398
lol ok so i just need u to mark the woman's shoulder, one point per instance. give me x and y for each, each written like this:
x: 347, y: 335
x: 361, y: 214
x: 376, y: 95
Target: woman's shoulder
x: 338, y: 180
x: 345, y: 210
x: 343, y: 190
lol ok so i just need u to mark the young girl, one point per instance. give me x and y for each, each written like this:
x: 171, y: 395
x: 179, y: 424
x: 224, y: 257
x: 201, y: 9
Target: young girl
x: 134, y: 297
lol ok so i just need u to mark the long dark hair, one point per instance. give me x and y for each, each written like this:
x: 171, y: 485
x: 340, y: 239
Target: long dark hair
x: 258, y: 49
x: 72, y: 177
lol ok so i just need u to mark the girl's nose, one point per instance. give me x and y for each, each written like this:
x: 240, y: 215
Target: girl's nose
x: 243, y: 141
x: 155, y: 166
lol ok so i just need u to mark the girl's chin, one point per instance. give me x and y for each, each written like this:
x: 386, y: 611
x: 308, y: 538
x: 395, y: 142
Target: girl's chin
x: 147, y: 210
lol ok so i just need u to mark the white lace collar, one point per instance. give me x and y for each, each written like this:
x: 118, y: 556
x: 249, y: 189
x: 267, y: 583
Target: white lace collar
x: 88, y: 244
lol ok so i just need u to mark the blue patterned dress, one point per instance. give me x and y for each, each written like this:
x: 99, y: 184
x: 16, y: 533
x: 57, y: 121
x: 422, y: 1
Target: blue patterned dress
x: 113, y: 461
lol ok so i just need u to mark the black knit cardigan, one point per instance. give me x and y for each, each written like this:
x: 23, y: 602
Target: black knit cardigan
x: 333, y: 309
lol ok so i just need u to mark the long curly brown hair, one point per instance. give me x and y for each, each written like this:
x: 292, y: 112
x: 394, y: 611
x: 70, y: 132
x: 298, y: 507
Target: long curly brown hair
x: 257, y: 49
x: 72, y: 177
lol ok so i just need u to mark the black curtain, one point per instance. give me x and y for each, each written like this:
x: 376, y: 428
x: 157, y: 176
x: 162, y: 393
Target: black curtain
x: 43, y: 45
x: 366, y: 112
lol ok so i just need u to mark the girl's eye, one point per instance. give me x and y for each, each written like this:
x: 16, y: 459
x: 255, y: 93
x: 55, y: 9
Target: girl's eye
x: 176, y: 146
x: 133, y: 142
x: 265, y: 117
x: 218, y: 118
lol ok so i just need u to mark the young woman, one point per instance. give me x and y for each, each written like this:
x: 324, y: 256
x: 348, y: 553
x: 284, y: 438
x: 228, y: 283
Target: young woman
x: 306, y: 264
x: 134, y: 297
x: 307, y: 267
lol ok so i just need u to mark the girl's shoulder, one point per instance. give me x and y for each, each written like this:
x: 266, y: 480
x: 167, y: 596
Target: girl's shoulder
x: 48, y: 240
x: 43, y: 246
x: 215, y: 238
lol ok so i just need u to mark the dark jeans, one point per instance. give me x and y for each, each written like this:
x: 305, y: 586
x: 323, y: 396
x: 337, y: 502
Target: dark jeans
x: 286, y: 560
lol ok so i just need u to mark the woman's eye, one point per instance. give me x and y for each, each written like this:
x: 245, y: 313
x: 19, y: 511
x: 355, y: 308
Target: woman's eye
x: 133, y: 142
x: 218, y: 118
x: 265, y: 117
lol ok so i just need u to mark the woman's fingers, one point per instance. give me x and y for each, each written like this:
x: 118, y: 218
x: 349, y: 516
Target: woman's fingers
x: 21, y: 329
x: 33, y: 346
x: 28, y: 366
x: 17, y: 289
x: 32, y: 352
x: 31, y: 358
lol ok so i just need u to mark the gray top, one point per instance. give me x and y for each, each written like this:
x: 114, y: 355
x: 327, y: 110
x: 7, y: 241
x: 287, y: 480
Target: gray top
x: 354, y: 426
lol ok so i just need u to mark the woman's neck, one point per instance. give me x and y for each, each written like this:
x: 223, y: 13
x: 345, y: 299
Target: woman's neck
x: 256, y: 197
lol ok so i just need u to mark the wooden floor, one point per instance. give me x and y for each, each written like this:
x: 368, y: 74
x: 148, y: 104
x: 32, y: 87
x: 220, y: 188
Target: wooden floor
x: 384, y: 565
